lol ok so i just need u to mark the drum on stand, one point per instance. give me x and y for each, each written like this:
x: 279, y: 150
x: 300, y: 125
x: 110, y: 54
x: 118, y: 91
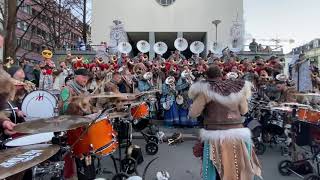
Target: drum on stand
x: 39, y: 104
x: 100, y: 138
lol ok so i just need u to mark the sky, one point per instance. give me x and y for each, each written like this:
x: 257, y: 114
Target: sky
x: 284, y: 19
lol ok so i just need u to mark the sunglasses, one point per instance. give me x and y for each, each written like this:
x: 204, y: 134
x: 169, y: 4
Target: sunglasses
x: 47, y: 53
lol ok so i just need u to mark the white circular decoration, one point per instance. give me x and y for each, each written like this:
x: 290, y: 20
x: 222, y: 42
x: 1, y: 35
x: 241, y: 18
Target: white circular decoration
x: 165, y: 2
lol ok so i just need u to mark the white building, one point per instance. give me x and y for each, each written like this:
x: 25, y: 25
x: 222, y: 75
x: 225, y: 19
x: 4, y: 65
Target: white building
x: 165, y: 20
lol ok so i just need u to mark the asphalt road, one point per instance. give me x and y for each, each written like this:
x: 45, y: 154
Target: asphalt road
x: 182, y: 165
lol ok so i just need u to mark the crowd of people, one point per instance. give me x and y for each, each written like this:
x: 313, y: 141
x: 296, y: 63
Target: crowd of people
x: 182, y: 98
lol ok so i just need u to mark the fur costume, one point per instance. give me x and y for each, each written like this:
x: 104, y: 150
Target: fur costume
x: 228, y: 148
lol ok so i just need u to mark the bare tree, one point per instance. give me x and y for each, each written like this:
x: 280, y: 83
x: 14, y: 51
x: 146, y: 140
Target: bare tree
x: 56, y: 16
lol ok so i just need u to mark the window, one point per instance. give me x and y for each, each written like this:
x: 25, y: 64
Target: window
x: 166, y: 2
x: 22, y: 25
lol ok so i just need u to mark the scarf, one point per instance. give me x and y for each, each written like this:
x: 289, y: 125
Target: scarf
x: 77, y: 87
x: 226, y: 87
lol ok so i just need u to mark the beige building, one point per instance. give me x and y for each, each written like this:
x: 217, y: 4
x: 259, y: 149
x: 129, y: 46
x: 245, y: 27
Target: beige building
x: 165, y: 20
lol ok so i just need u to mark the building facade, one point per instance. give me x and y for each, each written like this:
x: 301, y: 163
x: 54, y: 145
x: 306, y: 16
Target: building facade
x: 311, y: 51
x: 165, y: 20
x: 38, y: 28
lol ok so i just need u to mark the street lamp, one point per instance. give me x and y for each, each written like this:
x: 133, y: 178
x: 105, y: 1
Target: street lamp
x: 216, y: 23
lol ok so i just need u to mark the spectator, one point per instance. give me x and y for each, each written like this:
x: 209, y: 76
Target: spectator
x: 253, y: 46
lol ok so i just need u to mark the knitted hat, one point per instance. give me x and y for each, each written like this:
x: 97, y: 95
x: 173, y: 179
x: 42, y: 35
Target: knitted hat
x: 13, y: 69
x: 82, y: 71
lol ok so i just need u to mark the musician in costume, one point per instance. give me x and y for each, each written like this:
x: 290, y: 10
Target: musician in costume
x: 168, y: 102
x: 76, y: 87
x: 63, y: 73
x: 183, y: 101
x: 47, y: 67
x: 139, y: 71
x: 227, y: 146
x: 145, y: 82
x: 7, y: 93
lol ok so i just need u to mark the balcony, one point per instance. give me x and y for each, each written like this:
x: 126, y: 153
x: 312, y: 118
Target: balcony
x: 274, y: 51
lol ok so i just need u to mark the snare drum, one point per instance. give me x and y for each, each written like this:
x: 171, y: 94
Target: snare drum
x: 139, y: 111
x: 100, y: 139
x: 39, y: 104
x: 27, y: 140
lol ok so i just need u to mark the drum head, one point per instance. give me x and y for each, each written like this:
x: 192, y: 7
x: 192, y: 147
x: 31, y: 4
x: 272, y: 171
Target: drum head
x: 39, y: 104
x: 30, y: 140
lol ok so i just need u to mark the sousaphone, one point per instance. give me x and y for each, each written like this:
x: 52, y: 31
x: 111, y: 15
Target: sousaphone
x: 197, y: 47
x: 160, y: 48
x: 215, y: 49
x: 125, y: 47
x: 143, y: 46
x: 181, y: 44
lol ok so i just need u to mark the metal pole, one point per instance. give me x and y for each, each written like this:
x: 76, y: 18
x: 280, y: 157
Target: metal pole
x: 216, y: 33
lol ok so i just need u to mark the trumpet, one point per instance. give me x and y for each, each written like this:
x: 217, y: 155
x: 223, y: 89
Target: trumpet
x: 188, y: 76
x: 254, y: 66
x: 114, y: 58
x: 314, y: 75
x: 174, y: 69
x: 145, y: 57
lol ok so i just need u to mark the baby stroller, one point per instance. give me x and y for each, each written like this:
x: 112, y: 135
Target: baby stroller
x: 307, y: 168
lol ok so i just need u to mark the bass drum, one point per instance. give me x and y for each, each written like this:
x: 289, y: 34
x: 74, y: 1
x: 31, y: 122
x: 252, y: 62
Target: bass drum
x: 39, y: 104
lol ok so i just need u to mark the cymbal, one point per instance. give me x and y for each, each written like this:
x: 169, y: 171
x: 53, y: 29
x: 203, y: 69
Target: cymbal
x: 15, y: 160
x: 55, y: 124
x: 123, y: 96
x: 287, y: 109
x: 307, y: 94
x: 116, y: 95
x: 118, y: 115
x: 295, y: 104
x: 150, y: 92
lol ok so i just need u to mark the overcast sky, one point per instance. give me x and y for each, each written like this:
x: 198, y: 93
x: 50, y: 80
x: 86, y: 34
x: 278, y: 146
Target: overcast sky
x: 286, y: 19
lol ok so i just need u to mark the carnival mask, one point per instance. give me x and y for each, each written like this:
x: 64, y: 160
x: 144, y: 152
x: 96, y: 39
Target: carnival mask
x: 47, y: 54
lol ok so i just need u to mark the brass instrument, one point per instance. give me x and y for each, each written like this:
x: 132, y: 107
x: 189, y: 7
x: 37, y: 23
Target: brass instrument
x: 188, y: 76
x: 29, y: 86
x: 145, y: 57
x: 148, y: 76
x: 114, y: 58
x: 170, y: 81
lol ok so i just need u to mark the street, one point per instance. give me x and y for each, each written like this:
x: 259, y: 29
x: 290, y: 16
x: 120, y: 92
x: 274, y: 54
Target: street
x: 179, y: 161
